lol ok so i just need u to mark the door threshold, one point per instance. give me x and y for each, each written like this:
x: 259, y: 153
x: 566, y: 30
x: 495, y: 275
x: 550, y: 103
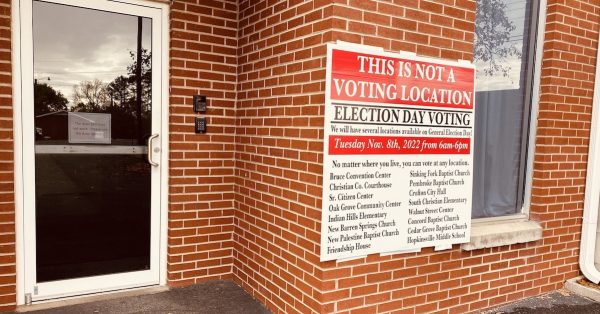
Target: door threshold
x: 87, y: 298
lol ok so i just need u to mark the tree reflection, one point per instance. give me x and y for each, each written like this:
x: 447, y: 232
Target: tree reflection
x: 117, y: 98
x: 47, y: 99
x: 493, y: 43
x: 89, y: 96
x: 97, y: 96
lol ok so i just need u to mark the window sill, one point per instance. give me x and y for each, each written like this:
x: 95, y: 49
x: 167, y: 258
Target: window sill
x: 493, y: 234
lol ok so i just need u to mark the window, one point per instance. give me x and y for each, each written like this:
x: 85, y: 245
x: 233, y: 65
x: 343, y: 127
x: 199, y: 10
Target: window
x: 505, y: 35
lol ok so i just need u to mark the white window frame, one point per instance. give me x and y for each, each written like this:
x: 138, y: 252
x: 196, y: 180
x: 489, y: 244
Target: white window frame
x: 523, y: 215
x: 19, y: 55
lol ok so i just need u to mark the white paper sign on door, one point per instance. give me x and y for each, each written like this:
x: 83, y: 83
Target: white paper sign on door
x: 89, y: 128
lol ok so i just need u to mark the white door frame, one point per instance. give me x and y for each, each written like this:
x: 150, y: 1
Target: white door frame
x: 22, y: 65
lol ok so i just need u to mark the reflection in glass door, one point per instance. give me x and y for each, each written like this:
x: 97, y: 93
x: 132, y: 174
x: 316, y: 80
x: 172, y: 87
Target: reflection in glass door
x: 92, y: 91
x: 92, y: 125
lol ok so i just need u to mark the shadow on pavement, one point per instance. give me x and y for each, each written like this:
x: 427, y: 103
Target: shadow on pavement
x: 210, y: 297
x: 558, y: 302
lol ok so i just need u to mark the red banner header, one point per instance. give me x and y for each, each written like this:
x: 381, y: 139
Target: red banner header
x: 397, y: 145
x: 382, y: 79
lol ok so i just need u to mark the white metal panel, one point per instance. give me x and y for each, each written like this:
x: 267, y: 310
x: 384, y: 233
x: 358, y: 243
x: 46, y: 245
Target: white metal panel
x: 91, y: 149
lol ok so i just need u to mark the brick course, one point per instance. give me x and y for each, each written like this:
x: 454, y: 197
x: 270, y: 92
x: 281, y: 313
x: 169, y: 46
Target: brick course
x: 281, y: 71
x: 8, y: 271
x: 201, y: 171
x: 452, y: 281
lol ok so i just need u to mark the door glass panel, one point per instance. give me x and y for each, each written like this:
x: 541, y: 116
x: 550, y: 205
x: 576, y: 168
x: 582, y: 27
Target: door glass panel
x: 92, y: 107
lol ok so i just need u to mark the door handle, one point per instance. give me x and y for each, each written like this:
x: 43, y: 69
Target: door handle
x: 150, y: 159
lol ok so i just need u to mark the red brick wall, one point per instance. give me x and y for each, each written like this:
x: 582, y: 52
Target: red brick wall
x: 7, y: 197
x: 567, y: 87
x: 279, y: 151
x: 457, y: 281
x: 278, y: 190
x: 244, y: 199
x: 201, y: 170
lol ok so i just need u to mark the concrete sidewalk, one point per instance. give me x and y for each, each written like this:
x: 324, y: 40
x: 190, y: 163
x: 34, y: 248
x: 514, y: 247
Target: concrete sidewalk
x: 225, y: 297
x: 557, y: 302
x: 210, y: 297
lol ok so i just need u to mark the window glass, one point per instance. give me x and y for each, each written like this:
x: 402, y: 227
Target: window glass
x: 92, y: 107
x: 503, y: 55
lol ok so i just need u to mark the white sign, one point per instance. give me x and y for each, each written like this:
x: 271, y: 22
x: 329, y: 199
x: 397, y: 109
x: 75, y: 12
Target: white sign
x: 398, y: 156
x: 89, y: 128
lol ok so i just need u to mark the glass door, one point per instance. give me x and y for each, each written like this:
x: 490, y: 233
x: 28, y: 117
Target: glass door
x: 93, y: 129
